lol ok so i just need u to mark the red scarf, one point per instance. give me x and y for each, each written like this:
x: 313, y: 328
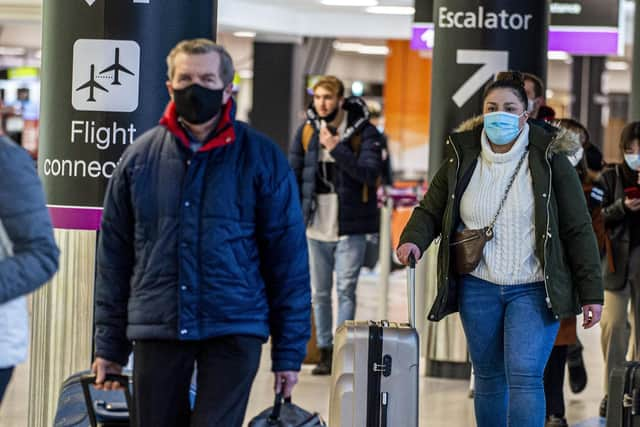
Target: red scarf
x: 223, y: 135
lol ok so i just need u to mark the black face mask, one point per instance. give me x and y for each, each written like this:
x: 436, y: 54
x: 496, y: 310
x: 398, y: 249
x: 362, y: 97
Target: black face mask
x: 197, y: 104
x: 332, y: 116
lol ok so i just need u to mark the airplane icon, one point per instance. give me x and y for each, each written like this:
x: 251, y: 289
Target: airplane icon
x: 116, y: 68
x: 91, y: 84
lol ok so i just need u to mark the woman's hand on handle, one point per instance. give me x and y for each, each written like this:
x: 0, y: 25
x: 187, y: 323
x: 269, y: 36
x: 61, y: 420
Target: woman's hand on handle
x: 591, y: 315
x: 405, y: 249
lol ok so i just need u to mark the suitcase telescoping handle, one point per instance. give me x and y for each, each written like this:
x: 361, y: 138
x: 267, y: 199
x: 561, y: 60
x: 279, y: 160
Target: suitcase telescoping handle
x: 88, y: 380
x: 411, y: 290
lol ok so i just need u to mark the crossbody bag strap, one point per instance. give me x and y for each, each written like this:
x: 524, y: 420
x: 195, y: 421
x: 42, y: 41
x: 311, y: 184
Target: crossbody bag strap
x: 506, y: 194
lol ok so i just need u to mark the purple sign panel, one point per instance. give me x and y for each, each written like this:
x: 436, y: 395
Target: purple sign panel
x: 75, y: 218
x: 573, y: 40
x: 584, y: 41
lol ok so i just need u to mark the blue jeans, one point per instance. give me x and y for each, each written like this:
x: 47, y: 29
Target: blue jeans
x: 346, y: 257
x: 510, y: 331
x: 5, y: 377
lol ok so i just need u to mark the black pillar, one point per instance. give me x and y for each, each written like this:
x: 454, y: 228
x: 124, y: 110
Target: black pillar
x: 103, y: 85
x: 280, y: 74
x: 277, y: 83
x: 474, y: 40
x: 587, y: 94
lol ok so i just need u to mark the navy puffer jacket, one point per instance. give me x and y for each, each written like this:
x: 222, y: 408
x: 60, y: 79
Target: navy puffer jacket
x: 195, y: 246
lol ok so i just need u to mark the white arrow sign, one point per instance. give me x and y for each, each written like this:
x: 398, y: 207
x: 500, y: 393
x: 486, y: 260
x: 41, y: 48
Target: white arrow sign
x: 90, y: 2
x: 494, y: 61
x: 428, y: 37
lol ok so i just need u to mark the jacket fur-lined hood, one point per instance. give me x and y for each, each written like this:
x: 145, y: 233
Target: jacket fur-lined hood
x: 564, y: 141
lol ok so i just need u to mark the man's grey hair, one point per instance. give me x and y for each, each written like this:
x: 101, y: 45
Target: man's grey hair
x: 200, y: 47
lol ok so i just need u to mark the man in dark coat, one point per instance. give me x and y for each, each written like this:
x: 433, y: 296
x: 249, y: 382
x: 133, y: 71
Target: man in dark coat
x: 202, y: 255
x: 336, y: 157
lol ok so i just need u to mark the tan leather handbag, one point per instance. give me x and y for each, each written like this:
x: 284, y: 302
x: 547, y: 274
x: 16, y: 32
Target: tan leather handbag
x: 467, y: 245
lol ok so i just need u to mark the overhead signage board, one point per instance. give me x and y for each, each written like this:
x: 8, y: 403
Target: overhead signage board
x: 581, y: 27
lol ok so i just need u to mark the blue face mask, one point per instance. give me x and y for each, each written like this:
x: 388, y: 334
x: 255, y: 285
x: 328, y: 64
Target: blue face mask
x: 633, y: 160
x: 502, y: 128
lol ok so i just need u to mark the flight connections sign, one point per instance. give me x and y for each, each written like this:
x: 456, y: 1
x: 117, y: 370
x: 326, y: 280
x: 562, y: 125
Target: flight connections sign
x: 103, y: 86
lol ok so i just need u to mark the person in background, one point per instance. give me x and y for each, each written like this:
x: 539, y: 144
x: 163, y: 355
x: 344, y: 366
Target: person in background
x: 618, y: 193
x: 534, y: 87
x: 28, y: 252
x: 554, y: 373
x: 542, y: 115
x: 593, y: 158
x: 337, y: 161
x: 540, y: 256
x: 546, y: 113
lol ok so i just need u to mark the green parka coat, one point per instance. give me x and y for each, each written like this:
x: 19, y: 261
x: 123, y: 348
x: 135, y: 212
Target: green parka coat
x: 565, y: 242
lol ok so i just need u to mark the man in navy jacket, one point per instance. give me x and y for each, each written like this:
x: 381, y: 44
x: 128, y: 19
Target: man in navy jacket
x: 202, y: 255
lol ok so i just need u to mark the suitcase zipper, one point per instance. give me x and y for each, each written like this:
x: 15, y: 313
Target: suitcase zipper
x: 385, y: 409
x: 374, y: 376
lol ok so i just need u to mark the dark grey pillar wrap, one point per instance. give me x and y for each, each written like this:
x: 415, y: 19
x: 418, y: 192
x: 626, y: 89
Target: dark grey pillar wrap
x: 635, y: 83
x: 74, y: 31
x: 277, y: 80
x: 527, y: 50
x: 587, y: 94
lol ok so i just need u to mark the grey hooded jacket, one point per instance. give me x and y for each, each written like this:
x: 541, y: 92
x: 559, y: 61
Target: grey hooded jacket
x: 28, y: 252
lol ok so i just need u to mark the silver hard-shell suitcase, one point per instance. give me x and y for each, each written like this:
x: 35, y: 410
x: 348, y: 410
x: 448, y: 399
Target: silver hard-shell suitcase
x: 374, y: 381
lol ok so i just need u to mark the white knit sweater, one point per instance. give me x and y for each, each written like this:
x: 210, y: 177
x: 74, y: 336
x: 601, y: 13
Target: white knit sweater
x: 509, y: 258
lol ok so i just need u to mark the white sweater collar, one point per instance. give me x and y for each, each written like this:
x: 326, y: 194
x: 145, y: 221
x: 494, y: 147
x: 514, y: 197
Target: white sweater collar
x: 512, y: 155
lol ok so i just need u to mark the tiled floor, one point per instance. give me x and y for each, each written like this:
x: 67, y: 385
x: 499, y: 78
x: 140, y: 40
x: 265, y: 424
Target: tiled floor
x: 444, y: 403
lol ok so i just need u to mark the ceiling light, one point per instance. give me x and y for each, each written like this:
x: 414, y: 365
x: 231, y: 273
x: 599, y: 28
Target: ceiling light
x: 245, y: 34
x: 357, y: 88
x: 12, y: 51
x: 350, y: 3
x: 554, y: 55
x: 392, y: 10
x: 363, y: 49
x: 617, y: 65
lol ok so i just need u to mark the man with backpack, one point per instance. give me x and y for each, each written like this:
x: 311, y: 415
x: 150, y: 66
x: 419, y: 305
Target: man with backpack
x: 336, y: 158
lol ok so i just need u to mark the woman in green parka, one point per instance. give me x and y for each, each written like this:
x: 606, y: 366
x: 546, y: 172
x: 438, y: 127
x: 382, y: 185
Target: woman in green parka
x: 540, y: 262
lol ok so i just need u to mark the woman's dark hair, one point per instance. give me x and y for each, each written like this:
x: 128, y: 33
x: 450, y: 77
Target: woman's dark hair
x: 513, y: 80
x: 630, y: 133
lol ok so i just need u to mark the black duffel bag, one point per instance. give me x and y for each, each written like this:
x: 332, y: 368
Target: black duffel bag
x: 284, y: 413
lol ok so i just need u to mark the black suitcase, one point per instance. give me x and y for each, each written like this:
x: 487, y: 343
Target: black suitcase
x: 623, y: 407
x: 81, y: 405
